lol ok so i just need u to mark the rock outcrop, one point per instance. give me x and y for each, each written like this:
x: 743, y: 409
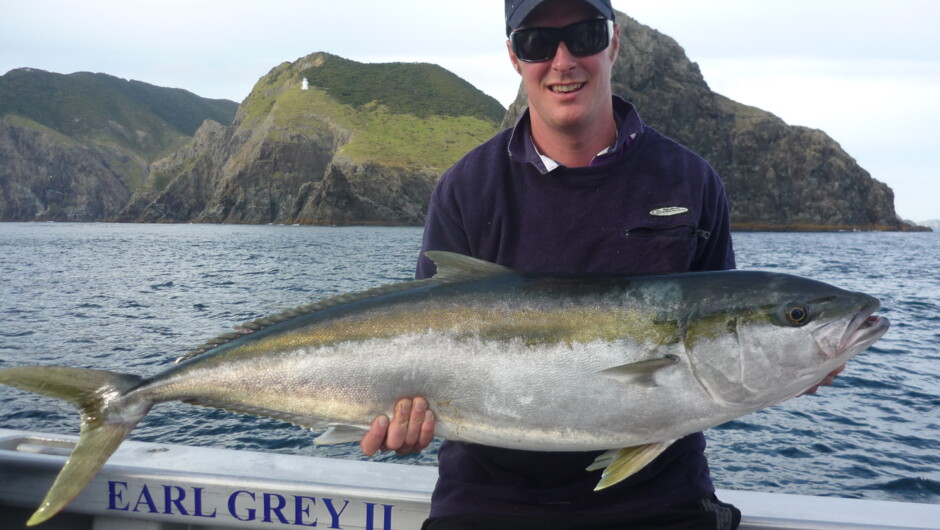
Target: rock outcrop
x: 291, y: 156
x: 933, y: 225
x: 777, y: 176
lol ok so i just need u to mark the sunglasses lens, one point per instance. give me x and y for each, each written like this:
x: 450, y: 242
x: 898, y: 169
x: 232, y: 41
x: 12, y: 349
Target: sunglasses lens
x: 535, y: 45
x: 587, y: 38
x: 582, y: 39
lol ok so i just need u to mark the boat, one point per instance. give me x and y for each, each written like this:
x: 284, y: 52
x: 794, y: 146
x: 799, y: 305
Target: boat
x: 155, y: 486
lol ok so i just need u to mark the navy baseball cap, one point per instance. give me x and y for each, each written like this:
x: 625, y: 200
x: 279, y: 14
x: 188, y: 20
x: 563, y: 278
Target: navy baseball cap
x: 517, y: 10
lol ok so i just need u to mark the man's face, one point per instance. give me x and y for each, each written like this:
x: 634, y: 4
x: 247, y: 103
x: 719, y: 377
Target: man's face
x: 566, y: 93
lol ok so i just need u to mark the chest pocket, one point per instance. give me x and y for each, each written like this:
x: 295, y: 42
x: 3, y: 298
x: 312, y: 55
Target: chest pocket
x: 660, y: 249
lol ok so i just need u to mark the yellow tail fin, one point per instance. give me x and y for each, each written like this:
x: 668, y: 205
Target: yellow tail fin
x: 106, y: 421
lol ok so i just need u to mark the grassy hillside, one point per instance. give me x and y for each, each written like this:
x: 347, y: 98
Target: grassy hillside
x: 406, y: 115
x: 380, y: 135
x: 418, y: 89
x: 103, y: 108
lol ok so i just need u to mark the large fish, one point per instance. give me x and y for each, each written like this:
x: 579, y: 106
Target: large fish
x: 525, y: 361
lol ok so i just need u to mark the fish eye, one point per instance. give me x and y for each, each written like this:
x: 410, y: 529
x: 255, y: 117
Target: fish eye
x: 797, y: 314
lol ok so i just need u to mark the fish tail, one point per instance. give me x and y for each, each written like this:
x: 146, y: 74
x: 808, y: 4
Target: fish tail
x: 104, y: 426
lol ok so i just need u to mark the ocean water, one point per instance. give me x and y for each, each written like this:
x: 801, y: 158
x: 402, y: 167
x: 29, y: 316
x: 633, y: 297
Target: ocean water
x: 132, y: 298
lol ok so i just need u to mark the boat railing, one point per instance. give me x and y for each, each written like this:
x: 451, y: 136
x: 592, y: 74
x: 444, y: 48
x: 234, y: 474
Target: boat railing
x: 157, y: 486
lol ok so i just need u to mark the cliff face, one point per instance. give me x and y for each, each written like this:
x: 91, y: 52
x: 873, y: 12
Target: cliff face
x: 777, y: 176
x: 306, y: 156
x: 781, y: 176
x: 45, y: 176
x: 75, y: 147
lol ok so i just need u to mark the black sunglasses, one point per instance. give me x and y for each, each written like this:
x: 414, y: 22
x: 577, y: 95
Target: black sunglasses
x: 582, y: 39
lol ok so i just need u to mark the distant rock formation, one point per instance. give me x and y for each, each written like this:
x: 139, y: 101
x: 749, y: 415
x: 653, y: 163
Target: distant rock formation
x: 366, y: 143
x: 777, y: 176
x: 933, y: 225
x: 345, y: 151
x: 75, y: 147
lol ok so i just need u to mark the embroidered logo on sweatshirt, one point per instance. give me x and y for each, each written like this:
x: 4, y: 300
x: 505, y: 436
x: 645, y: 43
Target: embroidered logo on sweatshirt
x: 669, y: 211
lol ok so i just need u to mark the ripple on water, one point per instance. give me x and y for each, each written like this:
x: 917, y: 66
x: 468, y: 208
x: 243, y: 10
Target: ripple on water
x: 907, y: 489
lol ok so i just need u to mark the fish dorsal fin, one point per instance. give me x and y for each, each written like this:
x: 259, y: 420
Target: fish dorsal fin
x: 452, y: 266
x: 264, y: 322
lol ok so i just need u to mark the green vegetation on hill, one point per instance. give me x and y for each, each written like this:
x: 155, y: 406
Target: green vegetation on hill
x: 406, y: 115
x: 103, y: 108
x: 379, y: 135
x: 422, y: 90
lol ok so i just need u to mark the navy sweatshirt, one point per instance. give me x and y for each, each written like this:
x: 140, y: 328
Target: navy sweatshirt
x: 647, y: 206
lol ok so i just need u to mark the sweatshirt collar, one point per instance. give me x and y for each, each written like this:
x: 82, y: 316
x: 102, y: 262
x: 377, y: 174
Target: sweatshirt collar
x: 522, y: 148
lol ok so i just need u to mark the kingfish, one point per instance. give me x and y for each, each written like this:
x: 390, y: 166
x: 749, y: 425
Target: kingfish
x: 526, y: 361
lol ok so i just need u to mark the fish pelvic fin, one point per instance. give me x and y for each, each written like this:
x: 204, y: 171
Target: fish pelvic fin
x: 101, y: 434
x: 621, y: 464
x: 340, y: 434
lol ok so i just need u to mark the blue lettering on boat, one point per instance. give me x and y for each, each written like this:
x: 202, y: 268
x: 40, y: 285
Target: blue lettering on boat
x: 244, y: 505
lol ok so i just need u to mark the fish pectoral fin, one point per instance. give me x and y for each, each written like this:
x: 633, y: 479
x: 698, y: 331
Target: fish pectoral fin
x: 620, y: 464
x: 341, y: 434
x: 641, y: 372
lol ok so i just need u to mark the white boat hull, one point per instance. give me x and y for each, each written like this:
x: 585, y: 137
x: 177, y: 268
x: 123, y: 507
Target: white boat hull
x: 161, y: 486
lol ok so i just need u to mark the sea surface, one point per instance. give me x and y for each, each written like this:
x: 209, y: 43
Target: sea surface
x: 132, y: 298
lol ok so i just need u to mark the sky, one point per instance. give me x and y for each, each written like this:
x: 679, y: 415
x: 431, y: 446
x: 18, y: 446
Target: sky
x: 865, y: 72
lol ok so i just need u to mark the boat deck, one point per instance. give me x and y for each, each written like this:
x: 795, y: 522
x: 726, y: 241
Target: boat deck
x: 151, y: 486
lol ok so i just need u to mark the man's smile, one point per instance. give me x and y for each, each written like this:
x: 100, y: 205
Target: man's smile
x: 565, y: 89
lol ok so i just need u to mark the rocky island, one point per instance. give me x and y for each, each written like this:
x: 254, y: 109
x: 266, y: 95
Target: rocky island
x: 325, y: 140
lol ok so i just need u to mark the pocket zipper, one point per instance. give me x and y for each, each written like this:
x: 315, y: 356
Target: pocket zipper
x: 671, y: 231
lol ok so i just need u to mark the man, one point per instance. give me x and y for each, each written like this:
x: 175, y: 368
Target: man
x: 579, y: 185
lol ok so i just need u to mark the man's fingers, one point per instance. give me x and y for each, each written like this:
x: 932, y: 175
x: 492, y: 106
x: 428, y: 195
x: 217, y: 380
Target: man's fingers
x: 398, y: 427
x: 372, y: 441
x: 427, y: 431
x: 831, y: 377
x: 420, y: 430
x: 410, y: 429
x: 418, y: 408
x: 828, y: 380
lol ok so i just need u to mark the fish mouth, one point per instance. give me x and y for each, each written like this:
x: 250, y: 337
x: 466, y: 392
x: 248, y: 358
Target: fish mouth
x: 863, y: 331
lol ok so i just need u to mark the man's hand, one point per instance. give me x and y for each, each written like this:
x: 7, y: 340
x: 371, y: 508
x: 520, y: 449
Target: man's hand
x: 826, y: 380
x: 409, y: 431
